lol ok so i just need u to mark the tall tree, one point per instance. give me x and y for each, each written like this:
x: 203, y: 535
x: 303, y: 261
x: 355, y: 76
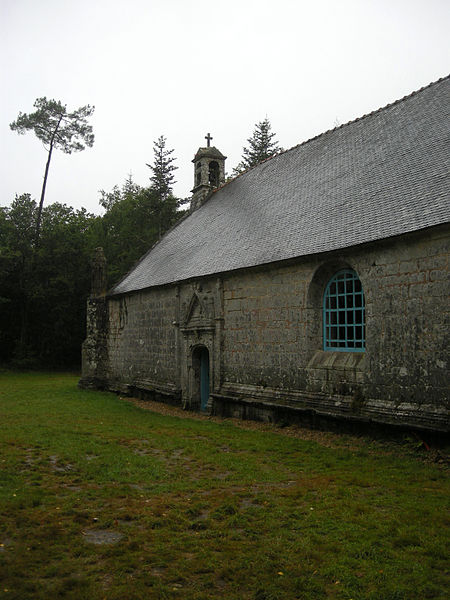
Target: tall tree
x: 162, y: 181
x: 56, y: 127
x: 162, y: 168
x: 261, y: 146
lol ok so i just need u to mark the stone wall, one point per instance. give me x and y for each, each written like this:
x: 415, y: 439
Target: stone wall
x: 272, y: 334
x: 142, y: 341
x: 262, y: 328
x: 265, y: 326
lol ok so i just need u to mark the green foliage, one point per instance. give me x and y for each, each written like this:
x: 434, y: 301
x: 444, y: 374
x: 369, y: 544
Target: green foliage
x: 16, y: 273
x: 62, y: 283
x: 43, y: 289
x: 162, y: 168
x: 56, y: 128
x: 261, y: 146
x: 134, y: 220
x: 45, y: 253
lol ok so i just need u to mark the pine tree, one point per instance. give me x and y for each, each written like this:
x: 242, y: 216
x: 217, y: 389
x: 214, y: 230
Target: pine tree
x: 162, y: 182
x: 56, y: 127
x: 163, y: 168
x: 261, y: 146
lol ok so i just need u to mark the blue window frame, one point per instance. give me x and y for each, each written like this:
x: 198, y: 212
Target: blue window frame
x: 344, y: 320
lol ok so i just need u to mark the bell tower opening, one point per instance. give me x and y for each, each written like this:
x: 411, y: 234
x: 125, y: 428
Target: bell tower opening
x: 214, y: 174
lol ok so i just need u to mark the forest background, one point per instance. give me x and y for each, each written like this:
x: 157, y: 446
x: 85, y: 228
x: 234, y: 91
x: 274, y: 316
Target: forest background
x: 44, y: 289
x: 45, y: 256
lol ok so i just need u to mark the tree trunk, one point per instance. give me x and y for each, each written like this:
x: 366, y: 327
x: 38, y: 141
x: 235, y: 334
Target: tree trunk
x: 41, y: 203
x: 21, y: 349
x: 44, y: 184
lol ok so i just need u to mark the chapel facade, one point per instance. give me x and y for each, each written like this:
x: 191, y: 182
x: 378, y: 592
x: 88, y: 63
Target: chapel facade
x: 314, y: 287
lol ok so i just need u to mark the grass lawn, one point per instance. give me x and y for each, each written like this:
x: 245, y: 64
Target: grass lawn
x: 101, y: 499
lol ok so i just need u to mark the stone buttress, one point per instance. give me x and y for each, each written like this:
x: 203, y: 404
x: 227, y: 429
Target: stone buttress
x: 94, y: 349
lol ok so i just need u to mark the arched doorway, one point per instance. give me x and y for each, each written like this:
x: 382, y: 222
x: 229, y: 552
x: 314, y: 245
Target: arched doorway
x: 200, y: 363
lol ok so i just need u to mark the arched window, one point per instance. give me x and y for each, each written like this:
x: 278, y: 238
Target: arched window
x: 344, y: 313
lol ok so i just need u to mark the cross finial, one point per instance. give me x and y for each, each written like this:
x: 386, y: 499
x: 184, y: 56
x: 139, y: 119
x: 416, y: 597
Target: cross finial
x: 208, y: 139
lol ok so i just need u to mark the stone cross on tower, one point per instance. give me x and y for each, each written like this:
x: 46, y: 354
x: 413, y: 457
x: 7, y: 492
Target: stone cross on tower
x: 208, y: 139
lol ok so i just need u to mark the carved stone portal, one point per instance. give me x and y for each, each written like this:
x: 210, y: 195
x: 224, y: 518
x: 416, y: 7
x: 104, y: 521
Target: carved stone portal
x: 200, y: 332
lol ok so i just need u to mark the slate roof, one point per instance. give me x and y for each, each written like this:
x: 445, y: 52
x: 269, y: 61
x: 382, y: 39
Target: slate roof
x: 379, y: 176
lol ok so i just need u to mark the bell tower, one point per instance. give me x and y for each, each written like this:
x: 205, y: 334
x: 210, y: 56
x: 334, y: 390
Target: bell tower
x: 209, y: 172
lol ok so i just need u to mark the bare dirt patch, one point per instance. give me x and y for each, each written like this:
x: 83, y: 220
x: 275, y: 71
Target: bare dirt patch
x: 102, y: 536
x: 58, y: 466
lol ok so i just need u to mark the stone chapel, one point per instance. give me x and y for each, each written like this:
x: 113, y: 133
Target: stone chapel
x: 313, y: 287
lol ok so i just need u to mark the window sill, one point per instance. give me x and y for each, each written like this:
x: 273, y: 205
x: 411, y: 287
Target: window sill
x: 338, y: 360
x: 336, y: 372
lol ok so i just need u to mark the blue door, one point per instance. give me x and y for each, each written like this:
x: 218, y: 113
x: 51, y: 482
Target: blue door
x: 204, y: 378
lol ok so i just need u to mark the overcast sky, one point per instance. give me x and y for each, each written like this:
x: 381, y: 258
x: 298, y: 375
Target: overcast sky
x: 183, y: 68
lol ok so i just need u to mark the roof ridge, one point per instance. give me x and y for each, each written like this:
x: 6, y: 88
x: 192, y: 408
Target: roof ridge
x: 327, y: 131
x: 373, y: 112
